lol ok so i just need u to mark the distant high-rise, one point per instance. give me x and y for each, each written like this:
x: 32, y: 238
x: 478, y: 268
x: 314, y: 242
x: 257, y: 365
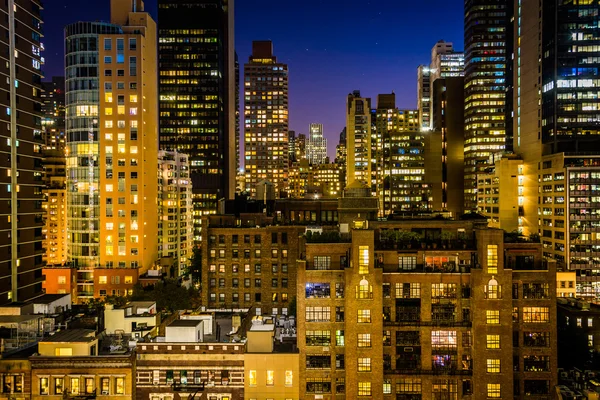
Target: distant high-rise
x: 292, y: 146
x: 266, y: 118
x: 485, y: 67
x: 21, y: 141
x: 358, y: 137
x: 316, y: 149
x: 424, y: 96
x: 198, y: 96
x: 445, y: 62
x: 53, y: 111
x: 300, y: 146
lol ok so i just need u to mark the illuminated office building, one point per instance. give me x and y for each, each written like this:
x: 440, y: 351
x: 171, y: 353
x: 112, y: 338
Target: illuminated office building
x: 266, y: 118
x: 485, y: 65
x: 300, y: 146
x: 445, y: 62
x: 358, y: 136
x: 112, y: 145
x: 316, y: 149
x: 53, y: 113
x: 21, y: 142
x: 197, y: 69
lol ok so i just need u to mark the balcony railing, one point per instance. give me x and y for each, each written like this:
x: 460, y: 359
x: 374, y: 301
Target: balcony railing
x: 465, y: 324
x: 420, y: 371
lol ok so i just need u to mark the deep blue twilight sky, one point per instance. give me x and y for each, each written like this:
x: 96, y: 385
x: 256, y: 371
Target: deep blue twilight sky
x: 332, y: 47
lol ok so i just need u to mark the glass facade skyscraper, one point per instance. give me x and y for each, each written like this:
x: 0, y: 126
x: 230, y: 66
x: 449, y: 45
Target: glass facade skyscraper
x: 485, y: 68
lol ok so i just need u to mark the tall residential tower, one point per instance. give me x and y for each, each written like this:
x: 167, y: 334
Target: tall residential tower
x: 266, y: 118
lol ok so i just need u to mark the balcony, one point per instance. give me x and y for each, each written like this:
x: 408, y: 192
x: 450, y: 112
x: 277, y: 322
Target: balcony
x: 441, y: 323
x: 420, y: 371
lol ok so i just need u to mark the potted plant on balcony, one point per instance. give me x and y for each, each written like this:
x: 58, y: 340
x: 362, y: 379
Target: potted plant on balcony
x: 446, y: 238
x: 462, y: 239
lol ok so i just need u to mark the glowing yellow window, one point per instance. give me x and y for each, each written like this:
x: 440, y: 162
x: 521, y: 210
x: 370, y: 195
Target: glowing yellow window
x: 128, y: 279
x: 270, y: 378
x: 120, y: 110
x: 289, y: 378
x: 492, y: 258
x: 133, y: 98
x: 108, y: 111
x: 493, y: 390
x: 108, y: 97
x: 492, y: 316
x: 363, y: 260
x: 252, y: 377
x: 493, y: 365
x: 493, y: 341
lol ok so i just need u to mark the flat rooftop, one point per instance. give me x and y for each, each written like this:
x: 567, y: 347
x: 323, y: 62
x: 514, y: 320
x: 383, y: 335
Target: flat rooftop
x: 185, y: 323
x: 48, y: 298
x: 72, y: 335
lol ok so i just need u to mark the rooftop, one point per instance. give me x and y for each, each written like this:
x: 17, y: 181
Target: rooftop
x: 185, y: 323
x: 72, y: 335
x: 48, y: 298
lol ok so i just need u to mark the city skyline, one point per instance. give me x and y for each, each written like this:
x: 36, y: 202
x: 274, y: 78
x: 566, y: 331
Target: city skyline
x: 329, y: 62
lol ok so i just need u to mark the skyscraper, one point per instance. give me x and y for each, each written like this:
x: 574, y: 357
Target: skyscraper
x: 316, y: 149
x: 445, y: 62
x: 53, y: 110
x: 424, y: 96
x: 358, y: 136
x: 266, y: 118
x: 197, y: 95
x: 112, y: 146
x: 485, y: 65
x: 556, y: 131
x: 21, y: 144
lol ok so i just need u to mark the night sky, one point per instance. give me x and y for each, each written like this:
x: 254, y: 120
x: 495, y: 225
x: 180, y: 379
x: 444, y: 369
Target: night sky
x: 332, y: 47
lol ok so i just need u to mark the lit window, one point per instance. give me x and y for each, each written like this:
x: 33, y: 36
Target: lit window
x: 364, y: 316
x: 492, y: 316
x: 289, y: 378
x: 493, y: 390
x: 493, y: 290
x: 108, y: 111
x: 62, y: 280
x: 493, y: 365
x: 579, y: 322
x: 535, y: 314
x: 102, y: 280
x: 363, y: 260
x: 364, y: 388
x: 493, y: 341
x: 492, y: 258
x: 252, y: 377
x: 108, y: 97
x: 364, y: 340
x: 108, y: 124
x: 590, y: 322
x: 270, y: 378
x: 133, y: 98
x: 364, y: 364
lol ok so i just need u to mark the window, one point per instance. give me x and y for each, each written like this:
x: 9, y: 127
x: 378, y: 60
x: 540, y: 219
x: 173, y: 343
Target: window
x: 364, y: 388
x: 252, y: 377
x: 318, y: 314
x: 387, y: 386
x: 536, y: 363
x: 493, y: 390
x: 63, y: 280
x: 364, y: 316
x: 364, y: 340
x: 536, y: 290
x: 536, y: 339
x: 104, y: 386
x: 493, y: 341
x: 492, y: 316
x: 339, y: 338
x: 407, y: 263
x: 270, y: 378
x: 318, y: 338
x: 493, y: 365
x: 364, y: 290
x: 493, y: 290
x: 59, y: 384
x: 44, y: 386
x: 74, y: 386
x: 364, y: 364
x: 408, y: 290
x: 363, y: 262
x: 289, y: 378
x: 444, y: 389
x: 492, y: 259
x: 318, y: 290
x: 590, y: 322
x: 444, y: 340
x: 322, y: 262
x: 535, y: 314
x: 108, y: 44
x: 318, y: 362
x: 409, y: 385
x: 318, y: 385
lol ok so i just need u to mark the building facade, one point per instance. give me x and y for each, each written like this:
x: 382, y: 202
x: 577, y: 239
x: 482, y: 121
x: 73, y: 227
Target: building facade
x: 53, y: 110
x: 473, y: 319
x: 197, y: 101
x: 266, y: 118
x: 358, y: 139
x: 316, y: 149
x: 424, y: 96
x: 112, y: 144
x: 175, y: 208
x: 485, y: 65
x: 21, y: 182
x: 247, y: 266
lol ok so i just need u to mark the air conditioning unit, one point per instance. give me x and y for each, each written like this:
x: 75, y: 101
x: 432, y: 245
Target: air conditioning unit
x: 408, y: 349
